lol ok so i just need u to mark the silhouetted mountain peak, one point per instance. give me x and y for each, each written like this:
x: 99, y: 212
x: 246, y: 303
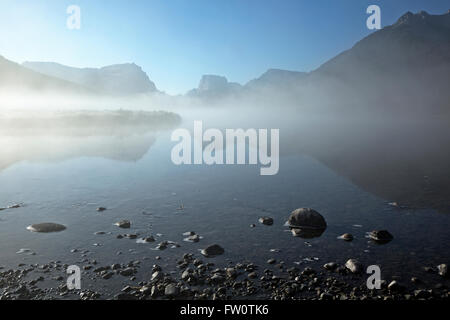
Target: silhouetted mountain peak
x: 117, y: 79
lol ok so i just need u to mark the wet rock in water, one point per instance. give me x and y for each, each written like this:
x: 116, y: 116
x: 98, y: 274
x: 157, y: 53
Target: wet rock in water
x: 380, y: 236
x: 162, y: 245
x: 123, y: 224
x: 443, y: 270
x: 353, y: 265
x: 306, y: 218
x: 115, y: 266
x: 127, y: 272
x: 130, y: 236
x: 14, y: 206
x: 212, y: 250
x: 193, y: 238
x: 101, y: 209
x: 46, y: 227
x: 330, y: 265
x: 146, y: 240
x: 268, y: 221
x: 394, y: 204
x: 306, y: 223
x: 346, y: 237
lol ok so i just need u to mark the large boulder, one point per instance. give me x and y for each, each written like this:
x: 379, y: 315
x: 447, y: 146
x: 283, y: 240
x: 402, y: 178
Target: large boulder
x: 306, y: 218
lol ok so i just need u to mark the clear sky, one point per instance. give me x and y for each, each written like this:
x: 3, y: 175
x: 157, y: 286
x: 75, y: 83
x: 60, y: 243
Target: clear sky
x: 176, y: 41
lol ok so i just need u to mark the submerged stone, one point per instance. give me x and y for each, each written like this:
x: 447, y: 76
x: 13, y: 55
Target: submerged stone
x: 380, y: 236
x: 46, y: 227
x: 346, y: 237
x: 212, y: 250
x: 268, y: 221
x: 123, y: 224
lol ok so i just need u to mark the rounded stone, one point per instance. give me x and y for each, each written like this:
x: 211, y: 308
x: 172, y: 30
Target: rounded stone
x: 380, y: 236
x: 212, y: 250
x: 46, y: 227
x: 306, y: 218
x: 268, y: 221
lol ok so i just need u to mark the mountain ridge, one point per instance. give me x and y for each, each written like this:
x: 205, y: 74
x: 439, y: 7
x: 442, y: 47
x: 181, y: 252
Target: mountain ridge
x: 116, y: 79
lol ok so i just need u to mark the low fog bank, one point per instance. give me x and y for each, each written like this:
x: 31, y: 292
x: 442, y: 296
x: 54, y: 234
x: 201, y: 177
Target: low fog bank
x: 85, y: 123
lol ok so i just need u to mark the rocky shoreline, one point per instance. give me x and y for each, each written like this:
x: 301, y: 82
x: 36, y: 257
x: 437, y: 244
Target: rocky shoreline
x: 202, y: 280
x: 196, y: 275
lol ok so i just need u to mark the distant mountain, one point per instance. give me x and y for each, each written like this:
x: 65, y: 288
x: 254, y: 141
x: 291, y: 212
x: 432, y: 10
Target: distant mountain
x: 214, y: 86
x: 119, y: 79
x: 404, y: 67
x: 13, y: 76
x: 276, y: 78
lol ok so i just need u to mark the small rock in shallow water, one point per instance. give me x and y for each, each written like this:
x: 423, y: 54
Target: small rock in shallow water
x: 266, y: 221
x: 46, y: 227
x: 353, y: 265
x: 212, y: 250
x: 146, y: 240
x: 346, y: 237
x: 380, y: 236
x: 330, y: 265
x: 443, y: 270
x: 193, y: 238
x: 127, y: 272
x: 24, y: 250
x: 123, y: 224
x: 100, y: 209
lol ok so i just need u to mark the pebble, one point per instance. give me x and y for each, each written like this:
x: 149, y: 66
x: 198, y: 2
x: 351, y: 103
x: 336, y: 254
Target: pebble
x: 268, y: 221
x: 443, y: 270
x: 353, y: 265
x: 346, y: 237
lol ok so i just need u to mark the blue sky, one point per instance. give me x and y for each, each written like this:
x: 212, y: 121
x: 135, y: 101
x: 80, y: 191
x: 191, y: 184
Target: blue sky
x: 176, y: 41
